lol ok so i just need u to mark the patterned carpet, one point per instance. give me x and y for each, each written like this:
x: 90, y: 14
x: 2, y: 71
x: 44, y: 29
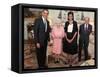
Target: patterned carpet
x: 30, y: 60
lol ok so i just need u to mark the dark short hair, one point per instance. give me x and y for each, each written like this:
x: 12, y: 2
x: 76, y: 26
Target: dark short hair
x: 71, y: 14
x: 45, y: 10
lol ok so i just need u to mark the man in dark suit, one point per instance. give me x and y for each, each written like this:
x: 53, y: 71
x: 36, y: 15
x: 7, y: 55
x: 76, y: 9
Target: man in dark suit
x: 41, y: 33
x: 84, y: 32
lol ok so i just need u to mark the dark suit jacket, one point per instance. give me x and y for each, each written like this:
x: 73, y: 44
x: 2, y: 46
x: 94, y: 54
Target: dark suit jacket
x: 39, y: 31
x: 84, y: 35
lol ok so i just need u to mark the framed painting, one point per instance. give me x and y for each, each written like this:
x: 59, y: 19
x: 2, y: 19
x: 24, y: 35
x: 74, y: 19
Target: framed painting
x: 53, y: 38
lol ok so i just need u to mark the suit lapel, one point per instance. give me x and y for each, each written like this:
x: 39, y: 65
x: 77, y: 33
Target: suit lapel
x: 42, y: 23
x: 83, y: 27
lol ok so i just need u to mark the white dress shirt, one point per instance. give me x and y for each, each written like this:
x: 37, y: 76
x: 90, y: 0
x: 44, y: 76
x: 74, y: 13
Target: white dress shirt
x: 70, y: 28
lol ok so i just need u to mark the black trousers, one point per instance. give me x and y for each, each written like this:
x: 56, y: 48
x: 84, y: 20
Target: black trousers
x: 41, y: 55
x: 83, y: 43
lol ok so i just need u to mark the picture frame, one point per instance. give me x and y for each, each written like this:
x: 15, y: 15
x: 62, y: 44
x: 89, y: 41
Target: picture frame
x: 21, y: 14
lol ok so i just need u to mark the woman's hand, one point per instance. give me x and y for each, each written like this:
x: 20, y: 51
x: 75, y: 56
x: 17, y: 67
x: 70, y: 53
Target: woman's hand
x: 50, y: 43
x: 69, y: 40
x: 38, y: 45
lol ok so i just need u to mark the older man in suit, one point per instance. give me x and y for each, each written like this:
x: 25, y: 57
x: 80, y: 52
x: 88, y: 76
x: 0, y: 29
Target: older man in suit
x: 41, y: 33
x: 84, y: 32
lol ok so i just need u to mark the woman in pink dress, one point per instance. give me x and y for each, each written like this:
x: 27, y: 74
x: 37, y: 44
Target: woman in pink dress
x: 57, y: 35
